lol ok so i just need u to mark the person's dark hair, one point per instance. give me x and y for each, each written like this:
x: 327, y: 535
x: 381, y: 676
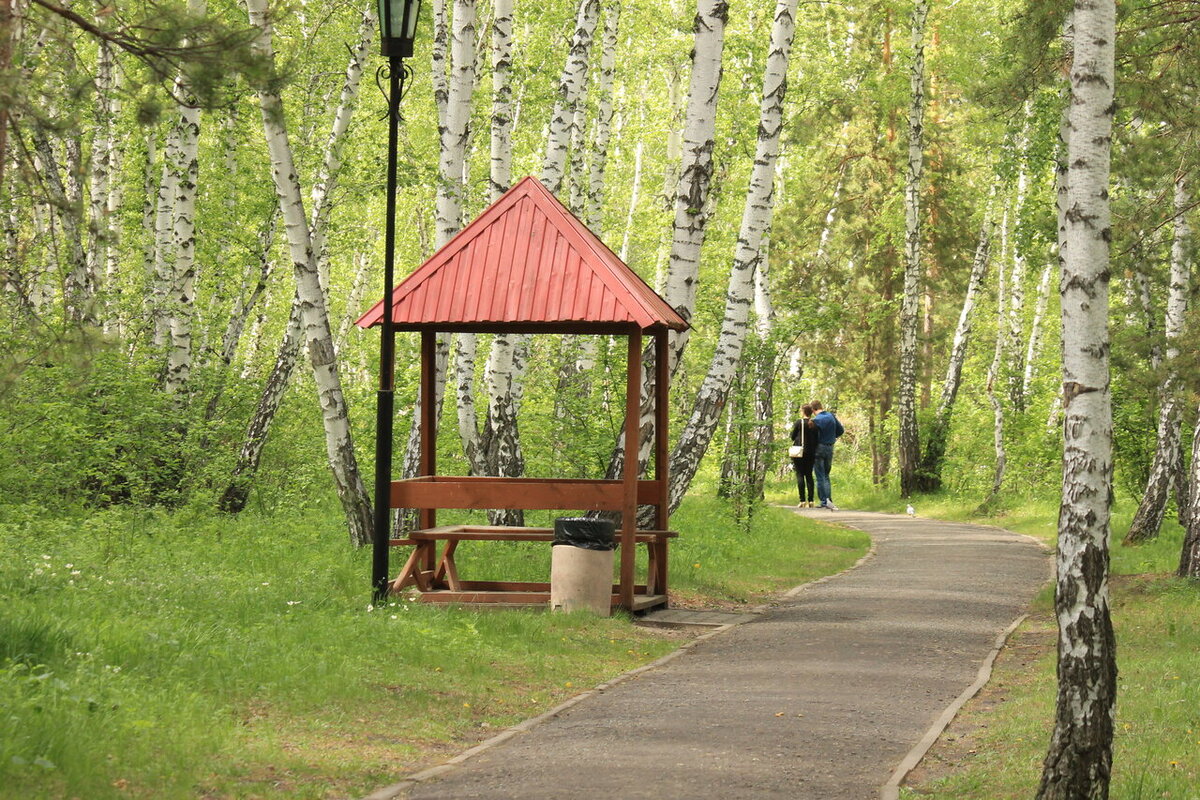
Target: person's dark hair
x: 807, y: 409
x: 816, y: 405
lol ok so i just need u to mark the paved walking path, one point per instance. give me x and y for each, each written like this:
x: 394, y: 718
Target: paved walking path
x: 819, y: 698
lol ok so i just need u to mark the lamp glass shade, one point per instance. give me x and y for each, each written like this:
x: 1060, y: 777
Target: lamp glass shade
x: 398, y: 26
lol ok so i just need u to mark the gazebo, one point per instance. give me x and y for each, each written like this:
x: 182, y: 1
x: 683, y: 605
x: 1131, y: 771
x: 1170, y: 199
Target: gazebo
x: 527, y: 265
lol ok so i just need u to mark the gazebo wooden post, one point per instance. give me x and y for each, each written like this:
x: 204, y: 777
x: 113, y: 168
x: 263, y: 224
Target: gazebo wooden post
x: 633, y: 412
x: 662, y: 455
x: 662, y: 414
x: 428, y: 466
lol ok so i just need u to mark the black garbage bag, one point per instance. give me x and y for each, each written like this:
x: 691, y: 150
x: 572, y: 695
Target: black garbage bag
x: 590, y: 534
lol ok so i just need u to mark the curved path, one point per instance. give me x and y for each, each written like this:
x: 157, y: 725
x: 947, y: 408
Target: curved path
x: 820, y: 697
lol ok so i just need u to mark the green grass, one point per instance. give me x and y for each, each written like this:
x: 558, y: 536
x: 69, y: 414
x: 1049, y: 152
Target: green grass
x: 175, y: 656
x: 995, y: 748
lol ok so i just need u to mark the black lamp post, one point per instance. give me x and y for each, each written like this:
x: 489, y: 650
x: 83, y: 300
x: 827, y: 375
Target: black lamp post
x: 398, y: 29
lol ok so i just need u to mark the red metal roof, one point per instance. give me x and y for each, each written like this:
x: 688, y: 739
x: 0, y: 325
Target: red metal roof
x: 525, y: 263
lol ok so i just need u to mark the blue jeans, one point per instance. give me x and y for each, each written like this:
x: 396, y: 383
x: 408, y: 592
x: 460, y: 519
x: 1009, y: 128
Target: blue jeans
x: 822, y: 463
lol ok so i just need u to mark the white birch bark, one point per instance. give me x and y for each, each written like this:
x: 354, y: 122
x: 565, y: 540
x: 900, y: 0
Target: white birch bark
x: 500, y: 176
x: 160, y: 287
x: 185, y: 167
x: 913, y: 271
x: 962, y: 331
x: 439, y: 55
x: 1034, y: 345
x: 1189, y: 557
x: 454, y: 132
x: 756, y: 220
x: 993, y: 376
x: 570, y: 89
x: 633, y: 201
x: 696, y: 167
x: 929, y: 478
x: 604, y: 116
x: 101, y: 178
x: 1016, y: 291
x: 63, y: 190
x: 316, y: 333
x: 1079, y: 759
x: 455, y: 82
x: 331, y: 164
x: 1148, y: 518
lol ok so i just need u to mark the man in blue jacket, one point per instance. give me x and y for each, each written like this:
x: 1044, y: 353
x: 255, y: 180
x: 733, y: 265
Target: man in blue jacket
x: 828, y: 431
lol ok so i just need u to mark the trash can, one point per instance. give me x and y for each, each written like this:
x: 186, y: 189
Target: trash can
x: 581, y: 565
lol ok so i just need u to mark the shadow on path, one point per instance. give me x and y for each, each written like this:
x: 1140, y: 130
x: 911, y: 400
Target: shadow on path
x: 820, y: 698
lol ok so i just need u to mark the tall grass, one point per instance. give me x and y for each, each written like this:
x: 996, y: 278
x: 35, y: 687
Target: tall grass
x: 144, y: 654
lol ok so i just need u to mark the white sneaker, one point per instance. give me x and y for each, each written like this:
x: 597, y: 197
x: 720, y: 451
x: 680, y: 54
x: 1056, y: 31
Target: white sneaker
x: 829, y: 504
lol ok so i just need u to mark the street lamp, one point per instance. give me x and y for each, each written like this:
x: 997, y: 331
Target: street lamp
x: 398, y: 26
x: 398, y: 29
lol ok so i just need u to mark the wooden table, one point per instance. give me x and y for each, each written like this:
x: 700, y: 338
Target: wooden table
x: 436, y: 576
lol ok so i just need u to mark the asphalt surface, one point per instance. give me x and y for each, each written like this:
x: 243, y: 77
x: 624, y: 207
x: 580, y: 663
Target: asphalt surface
x: 820, y: 697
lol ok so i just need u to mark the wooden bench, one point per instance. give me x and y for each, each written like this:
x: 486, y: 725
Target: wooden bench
x: 436, y: 576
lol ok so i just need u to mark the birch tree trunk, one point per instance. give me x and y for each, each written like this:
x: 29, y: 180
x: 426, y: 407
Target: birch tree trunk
x: 756, y: 220
x: 764, y: 375
x: 604, y: 115
x: 1035, y: 333
x: 103, y: 175
x: 454, y: 116
x: 1189, y: 558
x: 696, y: 167
x: 570, y: 89
x: 993, y: 377
x: 929, y: 476
x: 160, y: 287
x: 339, y: 443
x: 500, y: 176
x: 185, y: 168
x: 1079, y: 759
x: 692, y: 206
x: 1148, y: 518
x: 237, y: 492
x: 910, y: 447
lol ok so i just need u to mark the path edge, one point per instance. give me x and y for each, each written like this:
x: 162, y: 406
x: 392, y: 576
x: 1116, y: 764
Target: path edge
x: 396, y: 791
x: 891, y: 789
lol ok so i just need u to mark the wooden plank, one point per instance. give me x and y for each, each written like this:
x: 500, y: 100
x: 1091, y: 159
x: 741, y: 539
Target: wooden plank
x: 500, y: 533
x: 428, y: 424
x: 524, y: 493
x: 470, y: 598
x: 505, y: 586
x: 633, y: 411
x: 527, y: 493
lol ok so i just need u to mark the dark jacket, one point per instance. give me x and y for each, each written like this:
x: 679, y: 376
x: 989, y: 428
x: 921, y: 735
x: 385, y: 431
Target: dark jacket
x: 805, y: 435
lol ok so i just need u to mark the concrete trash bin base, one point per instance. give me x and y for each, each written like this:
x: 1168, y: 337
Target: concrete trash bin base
x: 581, y: 580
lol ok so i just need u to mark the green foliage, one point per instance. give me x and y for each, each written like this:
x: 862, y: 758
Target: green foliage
x: 182, y: 653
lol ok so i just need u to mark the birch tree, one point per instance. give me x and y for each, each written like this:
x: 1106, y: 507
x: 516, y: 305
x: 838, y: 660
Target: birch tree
x: 1163, y: 470
x: 563, y: 121
x: 930, y: 473
x: 696, y: 167
x: 1189, y: 557
x: 748, y: 254
x: 1078, y: 761
x: 233, y: 499
x: 317, y: 336
x: 907, y: 405
x: 691, y: 205
x: 184, y: 165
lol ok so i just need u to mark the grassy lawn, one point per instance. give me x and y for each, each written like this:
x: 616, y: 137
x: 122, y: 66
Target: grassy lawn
x: 994, y: 749
x: 147, y: 655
